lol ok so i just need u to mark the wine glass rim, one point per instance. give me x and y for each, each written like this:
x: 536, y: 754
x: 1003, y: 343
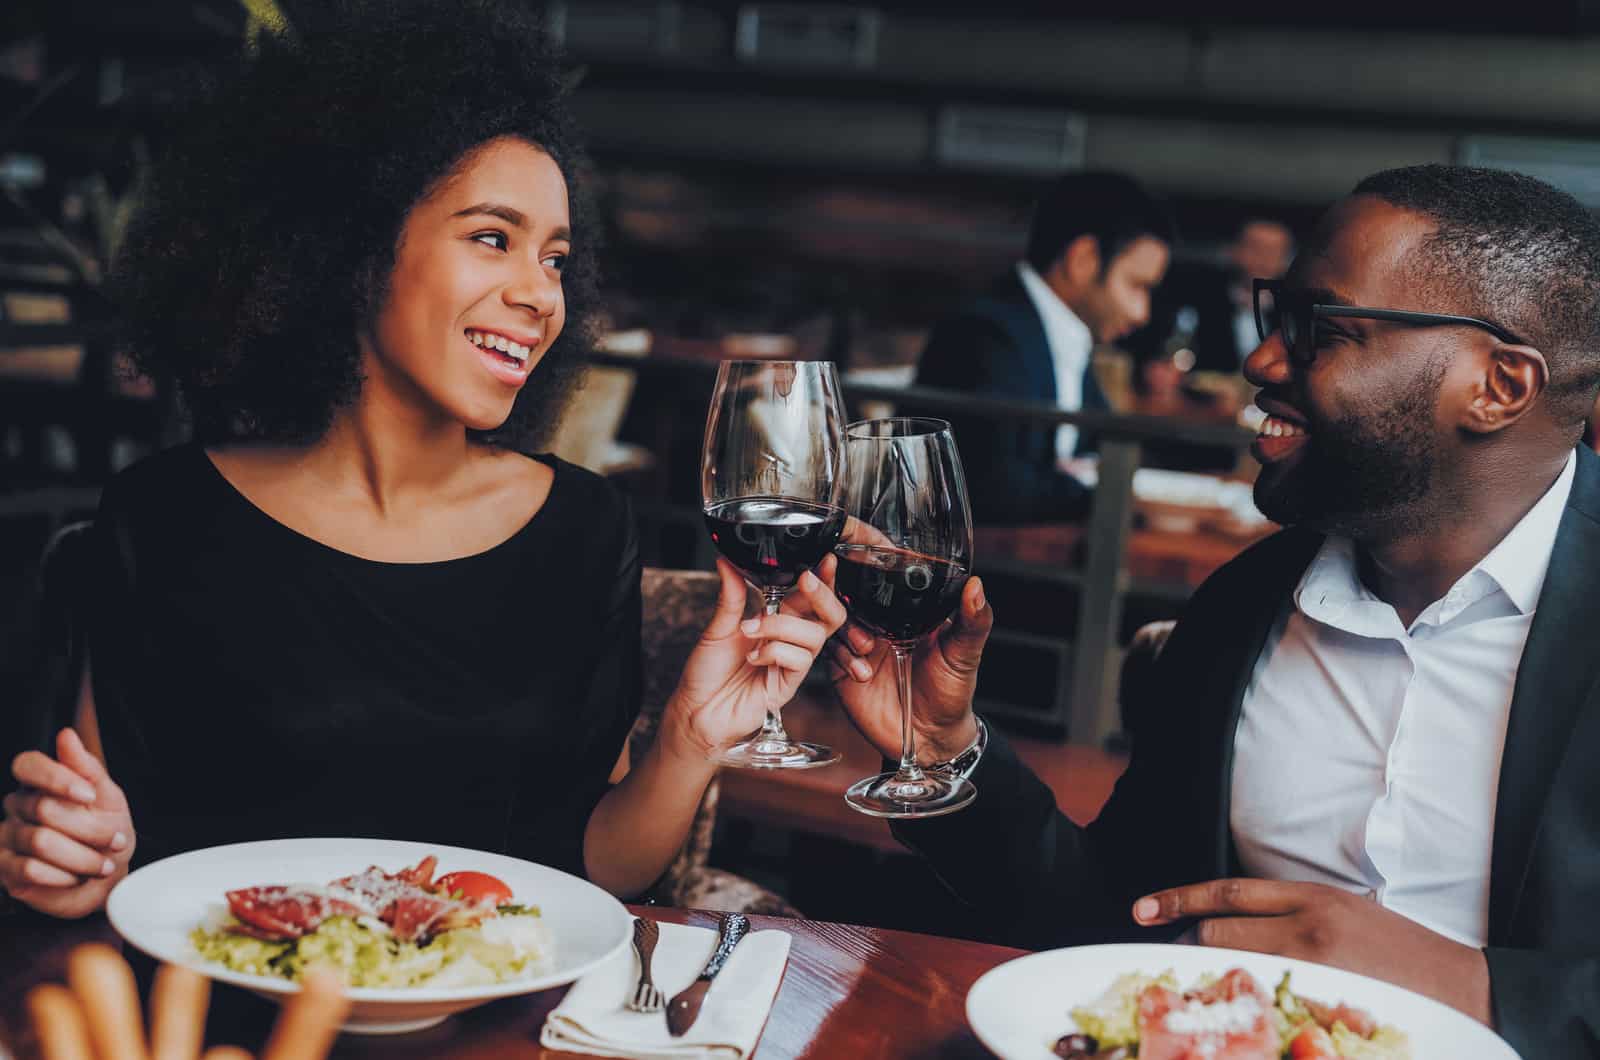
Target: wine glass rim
x: 899, y: 427
x: 747, y: 362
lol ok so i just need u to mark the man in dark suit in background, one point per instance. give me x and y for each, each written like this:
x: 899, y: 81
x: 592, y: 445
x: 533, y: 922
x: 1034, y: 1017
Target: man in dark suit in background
x: 1098, y: 245
x: 1371, y: 738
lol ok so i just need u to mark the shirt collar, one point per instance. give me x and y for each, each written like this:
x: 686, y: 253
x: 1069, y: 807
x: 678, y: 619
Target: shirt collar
x: 1331, y: 592
x: 1522, y: 558
x: 1060, y: 322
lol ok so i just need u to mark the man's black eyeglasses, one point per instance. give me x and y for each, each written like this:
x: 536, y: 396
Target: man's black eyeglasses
x: 1296, y: 312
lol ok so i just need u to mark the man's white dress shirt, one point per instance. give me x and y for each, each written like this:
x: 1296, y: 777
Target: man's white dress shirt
x: 1070, y: 343
x: 1368, y: 754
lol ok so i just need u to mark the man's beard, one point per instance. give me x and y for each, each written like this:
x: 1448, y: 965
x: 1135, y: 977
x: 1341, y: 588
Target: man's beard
x: 1364, y: 474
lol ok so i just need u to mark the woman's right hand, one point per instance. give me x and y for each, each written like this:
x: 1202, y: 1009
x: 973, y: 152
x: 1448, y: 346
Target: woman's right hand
x: 67, y: 836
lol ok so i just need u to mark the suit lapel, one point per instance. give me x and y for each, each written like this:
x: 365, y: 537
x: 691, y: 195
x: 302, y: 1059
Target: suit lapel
x: 1554, y: 682
x: 1036, y: 348
x: 1094, y: 398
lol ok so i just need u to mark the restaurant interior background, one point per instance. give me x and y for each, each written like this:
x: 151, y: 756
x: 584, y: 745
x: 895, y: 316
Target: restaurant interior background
x: 825, y: 181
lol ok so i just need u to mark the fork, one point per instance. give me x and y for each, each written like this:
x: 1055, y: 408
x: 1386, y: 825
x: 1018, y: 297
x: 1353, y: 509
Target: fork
x: 646, y: 998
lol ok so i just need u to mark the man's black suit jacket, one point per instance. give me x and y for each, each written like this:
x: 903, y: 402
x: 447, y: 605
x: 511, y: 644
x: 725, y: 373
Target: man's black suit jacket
x: 996, y: 346
x: 1046, y: 882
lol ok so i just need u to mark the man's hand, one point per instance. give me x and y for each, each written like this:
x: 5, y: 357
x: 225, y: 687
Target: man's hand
x: 1319, y: 923
x: 944, y: 672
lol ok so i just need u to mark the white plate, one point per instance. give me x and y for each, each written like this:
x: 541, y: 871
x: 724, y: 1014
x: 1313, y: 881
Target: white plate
x: 157, y: 907
x: 1189, y: 488
x: 1020, y: 1008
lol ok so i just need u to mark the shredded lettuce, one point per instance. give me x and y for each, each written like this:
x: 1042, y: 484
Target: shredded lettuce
x: 240, y: 952
x: 1386, y: 1043
x: 1290, y: 1014
x: 1113, y: 1018
x: 504, y: 947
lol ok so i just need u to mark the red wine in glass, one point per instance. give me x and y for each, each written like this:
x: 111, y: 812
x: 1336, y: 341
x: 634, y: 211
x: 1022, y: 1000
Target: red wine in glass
x: 897, y: 594
x: 773, y: 540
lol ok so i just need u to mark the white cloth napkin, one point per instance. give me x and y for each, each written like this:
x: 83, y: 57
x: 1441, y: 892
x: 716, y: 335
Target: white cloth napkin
x: 592, y: 1019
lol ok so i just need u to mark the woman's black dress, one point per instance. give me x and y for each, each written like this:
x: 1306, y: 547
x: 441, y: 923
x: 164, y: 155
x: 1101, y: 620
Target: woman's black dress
x: 252, y: 683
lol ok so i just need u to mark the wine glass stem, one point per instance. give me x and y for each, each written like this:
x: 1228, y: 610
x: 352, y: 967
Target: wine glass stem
x: 773, y: 738
x: 909, y: 770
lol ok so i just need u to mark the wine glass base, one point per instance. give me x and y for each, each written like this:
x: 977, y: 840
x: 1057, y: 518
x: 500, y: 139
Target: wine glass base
x: 890, y: 795
x: 762, y: 753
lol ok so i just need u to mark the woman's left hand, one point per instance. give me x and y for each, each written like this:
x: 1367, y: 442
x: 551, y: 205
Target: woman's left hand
x: 743, y: 668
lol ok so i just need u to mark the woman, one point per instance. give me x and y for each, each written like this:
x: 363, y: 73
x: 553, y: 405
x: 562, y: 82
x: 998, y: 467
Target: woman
x: 353, y: 607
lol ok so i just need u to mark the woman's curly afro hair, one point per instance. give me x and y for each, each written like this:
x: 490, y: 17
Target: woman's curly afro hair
x: 266, y: 238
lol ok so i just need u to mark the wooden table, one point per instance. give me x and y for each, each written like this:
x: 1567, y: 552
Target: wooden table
x: 847, y: 992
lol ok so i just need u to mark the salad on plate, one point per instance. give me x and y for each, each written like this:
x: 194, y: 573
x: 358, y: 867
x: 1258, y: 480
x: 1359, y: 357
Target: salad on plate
x: 382, y: 929
x: 1231, y: 1017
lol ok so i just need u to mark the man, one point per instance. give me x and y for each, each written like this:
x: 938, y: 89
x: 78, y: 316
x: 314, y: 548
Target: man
x: 1097, y: 247
x: 1374, y: 732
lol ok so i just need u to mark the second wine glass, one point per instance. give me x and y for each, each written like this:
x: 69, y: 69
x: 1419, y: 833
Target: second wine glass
x: 903, y: 561
x: 771, y: 477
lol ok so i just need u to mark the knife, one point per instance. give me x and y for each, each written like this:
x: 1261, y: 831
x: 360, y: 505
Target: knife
x: 684, y: 1009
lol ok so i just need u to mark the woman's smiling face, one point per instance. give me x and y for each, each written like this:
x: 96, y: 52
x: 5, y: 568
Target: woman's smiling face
x: 474, y: 300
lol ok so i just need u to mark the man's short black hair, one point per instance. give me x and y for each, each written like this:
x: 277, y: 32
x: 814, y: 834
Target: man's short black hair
x: 1112, y: 207
x: 265, y: 241
x: 1515, y: 251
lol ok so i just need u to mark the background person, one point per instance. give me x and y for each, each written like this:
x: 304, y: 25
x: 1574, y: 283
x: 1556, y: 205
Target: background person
x: 1098, y: 245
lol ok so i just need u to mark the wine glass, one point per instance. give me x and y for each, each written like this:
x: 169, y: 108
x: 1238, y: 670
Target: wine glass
x: 771, y: 478
x: 905, y: 556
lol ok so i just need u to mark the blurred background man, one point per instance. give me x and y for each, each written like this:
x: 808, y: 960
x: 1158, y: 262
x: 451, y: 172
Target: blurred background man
x: 1098, y: 246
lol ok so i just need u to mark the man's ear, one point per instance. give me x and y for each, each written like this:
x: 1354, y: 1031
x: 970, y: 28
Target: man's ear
x: 1079, y: 264
x: 1514, y: 377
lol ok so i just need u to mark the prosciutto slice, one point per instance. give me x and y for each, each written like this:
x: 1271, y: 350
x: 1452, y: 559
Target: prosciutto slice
x: 285, y: 912
x: 404, y: 900
x: 1228, y: 1020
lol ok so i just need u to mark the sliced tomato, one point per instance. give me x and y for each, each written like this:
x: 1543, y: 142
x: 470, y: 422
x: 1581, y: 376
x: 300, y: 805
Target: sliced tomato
x: 1313, y: 1043
x: 474, y: 887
